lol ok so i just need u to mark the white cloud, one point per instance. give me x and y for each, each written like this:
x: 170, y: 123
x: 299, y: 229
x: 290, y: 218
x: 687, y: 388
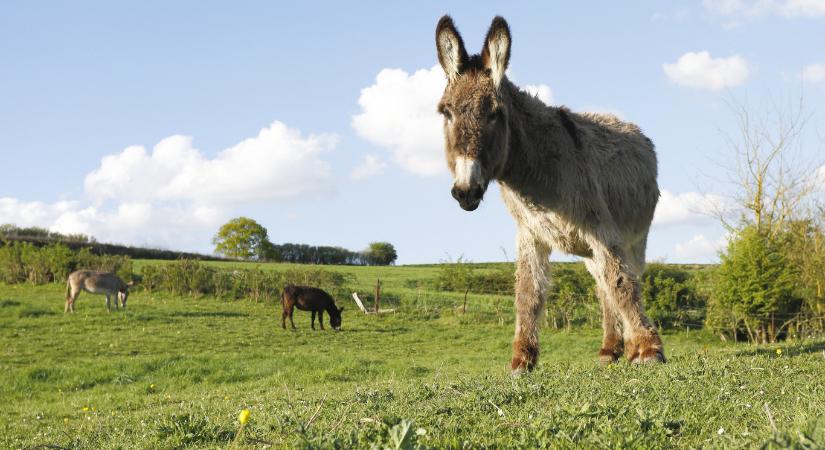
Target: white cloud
x: 398, y: 113
x: 689, y: 208
x: 175, y: 196
x: 757, y: 9
x: 540, y: 91
x: 815, y: 73
x: 371, y: 165
x: 276, y: 164
x: 700, y: 71
x: 700, y: 249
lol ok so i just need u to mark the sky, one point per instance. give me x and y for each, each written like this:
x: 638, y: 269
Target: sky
x: 153, y: 123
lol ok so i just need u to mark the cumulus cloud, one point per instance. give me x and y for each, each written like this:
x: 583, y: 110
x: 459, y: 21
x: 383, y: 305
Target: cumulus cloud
x: 757, y: 9
x: 174, y: 196
x: 398, y: 113
x: 700, y: 249
x: 276, y: 164
x: 689, y: 208
x: 165, y: 225
x: 540, y: 91
x: 371, y: 165
x: 699, y: 70
x: 815, y: 73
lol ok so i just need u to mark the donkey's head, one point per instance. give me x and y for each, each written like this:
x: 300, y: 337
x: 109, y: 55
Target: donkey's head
x: 335, y: 317
x: 475, y: 117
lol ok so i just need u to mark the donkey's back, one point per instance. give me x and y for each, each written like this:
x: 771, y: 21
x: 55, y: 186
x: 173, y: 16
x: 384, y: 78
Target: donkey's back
x: 96, y: 282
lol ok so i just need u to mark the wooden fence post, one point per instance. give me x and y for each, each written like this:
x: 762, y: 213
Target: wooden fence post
x: 377, y: 294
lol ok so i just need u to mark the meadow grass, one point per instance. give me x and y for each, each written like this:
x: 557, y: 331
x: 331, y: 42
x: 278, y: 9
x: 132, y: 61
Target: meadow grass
x: 174, y: 372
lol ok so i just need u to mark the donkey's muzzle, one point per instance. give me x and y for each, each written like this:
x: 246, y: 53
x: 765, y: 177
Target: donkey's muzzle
x: 468, y: 198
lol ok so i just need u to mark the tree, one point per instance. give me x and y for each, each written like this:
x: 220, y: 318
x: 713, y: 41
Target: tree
x: 772, y: 180
x: 242, y: 238
x: 380, y: 254
x: 762, y: 277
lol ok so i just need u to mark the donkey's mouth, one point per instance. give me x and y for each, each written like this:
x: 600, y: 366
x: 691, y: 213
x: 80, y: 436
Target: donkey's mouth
x: 468, y: 199
x: 470, y: 205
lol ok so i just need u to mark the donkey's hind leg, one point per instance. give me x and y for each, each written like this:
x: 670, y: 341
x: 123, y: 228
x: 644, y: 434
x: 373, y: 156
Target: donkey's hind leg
x: 531, y: 286
x: 312, y: 324
x: 321, y: 319
x: 70, y: 302
x: 621, y: 284
x: 612, y: 342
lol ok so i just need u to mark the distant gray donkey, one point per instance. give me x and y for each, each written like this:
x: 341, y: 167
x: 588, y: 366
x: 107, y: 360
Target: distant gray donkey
x: 95, y: 282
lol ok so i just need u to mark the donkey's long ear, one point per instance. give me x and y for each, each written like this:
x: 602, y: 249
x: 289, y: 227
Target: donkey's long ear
x: 450, y: 46
x: 496, y: 53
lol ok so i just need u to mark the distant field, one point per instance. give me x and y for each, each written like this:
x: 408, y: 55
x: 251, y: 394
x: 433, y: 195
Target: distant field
x: 174, y: 372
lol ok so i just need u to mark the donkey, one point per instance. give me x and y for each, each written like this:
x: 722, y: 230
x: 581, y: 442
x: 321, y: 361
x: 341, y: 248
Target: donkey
x: 584, y: 184
x: 312, y: 299
x: 94, y: 282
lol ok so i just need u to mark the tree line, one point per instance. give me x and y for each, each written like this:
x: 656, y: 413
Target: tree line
x: 244, y: 238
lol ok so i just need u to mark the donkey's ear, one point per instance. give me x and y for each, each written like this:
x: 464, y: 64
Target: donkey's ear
x: 496, y: 53
x: 450, y: 46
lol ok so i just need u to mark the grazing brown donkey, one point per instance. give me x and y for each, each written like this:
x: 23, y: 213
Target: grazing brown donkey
x: 584, y: 184
x: 312, y: 299
x: 93, y: 282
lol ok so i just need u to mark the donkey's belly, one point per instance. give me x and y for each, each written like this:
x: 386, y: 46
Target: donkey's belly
x: 93, y: 289
x: 546, y: 226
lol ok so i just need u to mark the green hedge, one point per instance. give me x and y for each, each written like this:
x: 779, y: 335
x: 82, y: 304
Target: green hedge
x: 193, y: 278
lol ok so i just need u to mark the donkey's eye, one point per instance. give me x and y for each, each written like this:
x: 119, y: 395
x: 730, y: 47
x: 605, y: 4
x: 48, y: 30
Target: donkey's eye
x: 446, y: 113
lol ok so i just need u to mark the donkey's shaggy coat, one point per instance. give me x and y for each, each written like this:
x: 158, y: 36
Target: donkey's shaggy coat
x: 584, y: 184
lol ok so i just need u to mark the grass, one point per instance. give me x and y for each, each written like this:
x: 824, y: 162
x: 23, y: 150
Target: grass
x: 175, y: 373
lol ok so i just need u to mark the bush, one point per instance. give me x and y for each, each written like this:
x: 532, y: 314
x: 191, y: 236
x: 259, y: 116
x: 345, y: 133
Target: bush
x: 756, y: 288
x: 670, y: 298
x: 52, y: 263
x: 193, y: 278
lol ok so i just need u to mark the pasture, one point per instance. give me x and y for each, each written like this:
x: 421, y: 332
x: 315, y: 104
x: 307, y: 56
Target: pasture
x: 174, y: 372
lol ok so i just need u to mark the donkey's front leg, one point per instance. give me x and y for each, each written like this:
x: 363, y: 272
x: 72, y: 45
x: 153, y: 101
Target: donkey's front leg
x: 531, y: 287
x: 108, y: 307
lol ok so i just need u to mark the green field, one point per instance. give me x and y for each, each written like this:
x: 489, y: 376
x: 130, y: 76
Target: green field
x: 174, y: 372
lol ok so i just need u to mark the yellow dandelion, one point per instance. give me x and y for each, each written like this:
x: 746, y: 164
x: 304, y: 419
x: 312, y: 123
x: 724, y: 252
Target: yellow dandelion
x: 65, y: 420
x: 243, y: 417
x: 152, y: 386
x: 114, y: 413
x: 85, y: 408
x: 226, y: 397
x: 779, y: 352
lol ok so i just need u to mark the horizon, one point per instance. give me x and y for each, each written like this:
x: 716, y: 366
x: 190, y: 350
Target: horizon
x: 155, y: 124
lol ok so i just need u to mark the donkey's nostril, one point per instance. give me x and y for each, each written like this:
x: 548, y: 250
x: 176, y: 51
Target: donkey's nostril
x: 458, y: 194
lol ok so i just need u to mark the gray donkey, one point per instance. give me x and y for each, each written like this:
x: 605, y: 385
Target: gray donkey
x: 94, y: 282
x: 584, y: 184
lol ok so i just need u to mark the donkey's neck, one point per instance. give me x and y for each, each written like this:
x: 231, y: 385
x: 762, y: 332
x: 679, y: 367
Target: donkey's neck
x: 535, y: 146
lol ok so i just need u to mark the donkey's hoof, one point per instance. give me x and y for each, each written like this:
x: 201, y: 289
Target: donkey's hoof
x: 649, y: 356
x: 608, y: 356
x: 520, y: 365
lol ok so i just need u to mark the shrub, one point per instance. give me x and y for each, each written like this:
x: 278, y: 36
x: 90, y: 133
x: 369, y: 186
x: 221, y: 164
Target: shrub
x: 193, y: 278
x: 756, y: 293
x: 670, y: 298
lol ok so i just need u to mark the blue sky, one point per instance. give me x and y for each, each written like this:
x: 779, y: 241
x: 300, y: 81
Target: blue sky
x: 154, y: 123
